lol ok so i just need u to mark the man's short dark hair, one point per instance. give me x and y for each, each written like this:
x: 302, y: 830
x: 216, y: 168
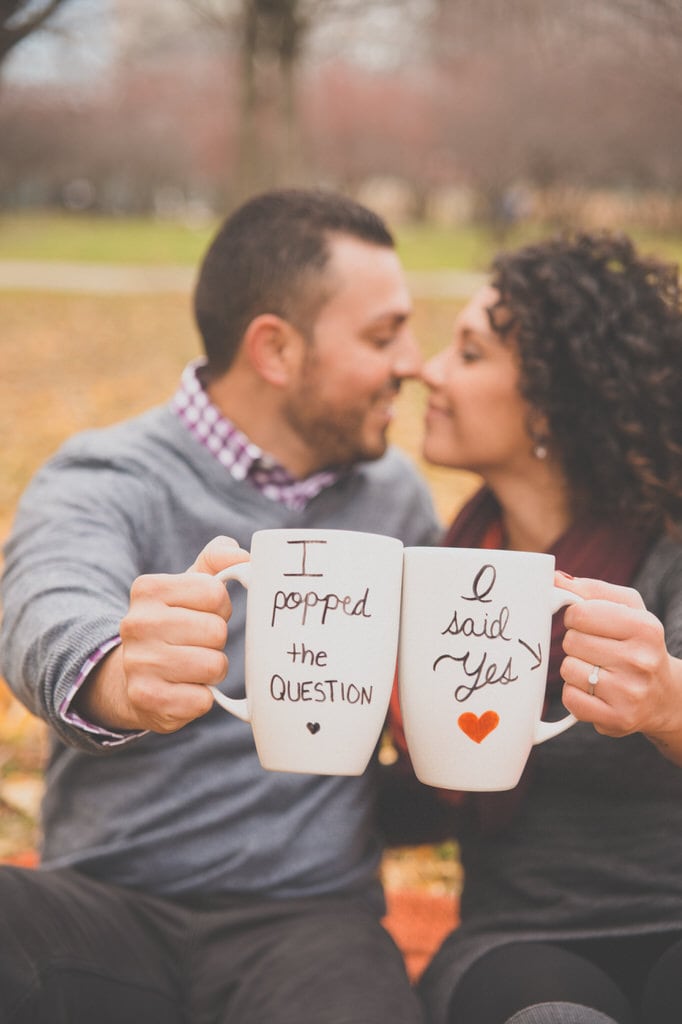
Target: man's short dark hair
x: 270, y: 256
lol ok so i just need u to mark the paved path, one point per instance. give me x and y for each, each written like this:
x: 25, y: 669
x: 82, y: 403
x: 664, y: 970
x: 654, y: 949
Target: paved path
x: 104, y: 278
x: 114, y: 279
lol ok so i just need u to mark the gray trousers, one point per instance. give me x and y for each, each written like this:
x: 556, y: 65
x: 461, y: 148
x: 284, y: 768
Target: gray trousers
x: 74, y: 950
x: 621, y: 980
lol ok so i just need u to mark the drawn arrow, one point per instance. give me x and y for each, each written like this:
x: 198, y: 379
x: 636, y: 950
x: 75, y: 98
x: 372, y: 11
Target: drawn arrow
x: 536, y: 654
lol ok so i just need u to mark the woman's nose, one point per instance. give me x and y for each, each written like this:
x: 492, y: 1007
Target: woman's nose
x: 433, y: 369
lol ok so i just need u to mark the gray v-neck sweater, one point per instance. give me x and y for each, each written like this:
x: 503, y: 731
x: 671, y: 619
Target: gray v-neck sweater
x: 193, y: 811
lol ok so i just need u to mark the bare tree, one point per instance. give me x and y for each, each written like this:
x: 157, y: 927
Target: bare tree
x: 519, y: 104
x: 272, y: 35
x: 651, y: 35
x: 20, y: 18
x: 271, y: 38
x: 555, y: 95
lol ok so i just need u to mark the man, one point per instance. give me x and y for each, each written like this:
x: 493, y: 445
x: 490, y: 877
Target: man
x: 180, y: 881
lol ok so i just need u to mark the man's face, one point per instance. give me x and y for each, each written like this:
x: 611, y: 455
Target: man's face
x: 342, y: 401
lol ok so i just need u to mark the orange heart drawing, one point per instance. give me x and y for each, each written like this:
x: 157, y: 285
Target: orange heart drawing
x: 478, y: 728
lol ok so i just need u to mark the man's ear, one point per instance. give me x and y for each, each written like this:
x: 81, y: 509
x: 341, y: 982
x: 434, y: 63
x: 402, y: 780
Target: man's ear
x: 274, y: 348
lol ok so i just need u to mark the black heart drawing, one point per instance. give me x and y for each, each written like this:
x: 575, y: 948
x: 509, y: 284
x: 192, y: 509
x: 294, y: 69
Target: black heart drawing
x: 313, y: 727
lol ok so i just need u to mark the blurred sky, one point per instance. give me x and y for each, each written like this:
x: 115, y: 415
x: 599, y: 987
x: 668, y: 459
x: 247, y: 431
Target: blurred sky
x: 80, y: 45
x: 84, y: 38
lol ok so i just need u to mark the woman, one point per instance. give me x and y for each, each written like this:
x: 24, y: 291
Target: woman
x: 562, y: 389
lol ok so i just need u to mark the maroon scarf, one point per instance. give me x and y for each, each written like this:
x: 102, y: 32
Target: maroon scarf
x: 598, y: 550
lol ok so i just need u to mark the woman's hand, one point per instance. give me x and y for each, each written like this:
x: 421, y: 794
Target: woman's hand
x: 617, y: 671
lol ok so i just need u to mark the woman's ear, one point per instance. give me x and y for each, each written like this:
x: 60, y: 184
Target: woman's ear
x: 274, y: 348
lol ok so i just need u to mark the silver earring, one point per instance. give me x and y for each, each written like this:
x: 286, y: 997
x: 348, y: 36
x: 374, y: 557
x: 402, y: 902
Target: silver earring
x: 540, y: 450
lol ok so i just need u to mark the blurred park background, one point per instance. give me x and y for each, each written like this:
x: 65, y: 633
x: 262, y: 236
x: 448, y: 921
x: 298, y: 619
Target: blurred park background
x: 128, y: 128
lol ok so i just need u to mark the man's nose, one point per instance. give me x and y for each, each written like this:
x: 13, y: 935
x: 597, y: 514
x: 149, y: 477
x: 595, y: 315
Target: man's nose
x: 408, y: 360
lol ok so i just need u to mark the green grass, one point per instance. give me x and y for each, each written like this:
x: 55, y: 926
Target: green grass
x: 86, y: 238
x: 467, y: 247
x: 471, y: 247
x: 90, y: 239
x: 667, y: 247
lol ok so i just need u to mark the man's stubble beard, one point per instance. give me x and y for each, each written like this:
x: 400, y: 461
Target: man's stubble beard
x: 336, y: 438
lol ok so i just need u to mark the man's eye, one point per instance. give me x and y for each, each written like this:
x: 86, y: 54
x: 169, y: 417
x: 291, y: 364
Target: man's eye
x: 470, y: 354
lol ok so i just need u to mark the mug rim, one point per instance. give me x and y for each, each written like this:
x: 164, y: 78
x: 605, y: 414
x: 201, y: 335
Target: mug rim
x: 501, y: 553
x: 318, y: 531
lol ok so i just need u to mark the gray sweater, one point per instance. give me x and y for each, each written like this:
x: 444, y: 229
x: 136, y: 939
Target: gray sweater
x: 596, y: 846
x: 193, y: 811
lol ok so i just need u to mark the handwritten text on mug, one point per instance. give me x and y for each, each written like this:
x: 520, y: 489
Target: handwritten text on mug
x: 303, y: 602
x: 310, y: 606
x: 493, y: 624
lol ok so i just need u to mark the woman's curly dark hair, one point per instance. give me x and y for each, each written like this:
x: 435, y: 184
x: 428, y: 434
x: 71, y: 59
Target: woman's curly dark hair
x: 599, y: 332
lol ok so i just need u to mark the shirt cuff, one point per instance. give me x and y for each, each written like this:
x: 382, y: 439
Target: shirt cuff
x: 68, y: 714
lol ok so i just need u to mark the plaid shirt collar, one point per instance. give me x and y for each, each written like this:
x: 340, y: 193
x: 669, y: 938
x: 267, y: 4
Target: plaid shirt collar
x: 243, y: 459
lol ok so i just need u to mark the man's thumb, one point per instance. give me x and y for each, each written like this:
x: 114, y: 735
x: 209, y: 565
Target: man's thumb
x: 218, y: 554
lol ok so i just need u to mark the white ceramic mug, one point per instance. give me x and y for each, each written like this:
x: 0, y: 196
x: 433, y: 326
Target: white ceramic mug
x: 322, y: 618
x: 474, y: 648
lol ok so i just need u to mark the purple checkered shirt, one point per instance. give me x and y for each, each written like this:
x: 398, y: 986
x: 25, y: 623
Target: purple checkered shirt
x: 244, y: 460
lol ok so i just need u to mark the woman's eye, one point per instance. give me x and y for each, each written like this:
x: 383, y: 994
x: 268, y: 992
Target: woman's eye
x: 470, y: 354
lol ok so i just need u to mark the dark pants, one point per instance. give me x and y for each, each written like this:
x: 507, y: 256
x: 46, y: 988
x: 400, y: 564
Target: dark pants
x: 73, y: 951
x: 623, y: 981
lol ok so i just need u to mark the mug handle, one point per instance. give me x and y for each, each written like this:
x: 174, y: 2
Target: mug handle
x: 239, y: 707
x: 546, y: 730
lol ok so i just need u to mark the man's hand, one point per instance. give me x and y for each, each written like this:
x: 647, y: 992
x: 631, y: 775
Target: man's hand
x: 173, y: 638
x: 639, y: 684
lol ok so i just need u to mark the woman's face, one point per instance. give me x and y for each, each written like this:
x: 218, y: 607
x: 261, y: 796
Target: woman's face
x: 476, y: 418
